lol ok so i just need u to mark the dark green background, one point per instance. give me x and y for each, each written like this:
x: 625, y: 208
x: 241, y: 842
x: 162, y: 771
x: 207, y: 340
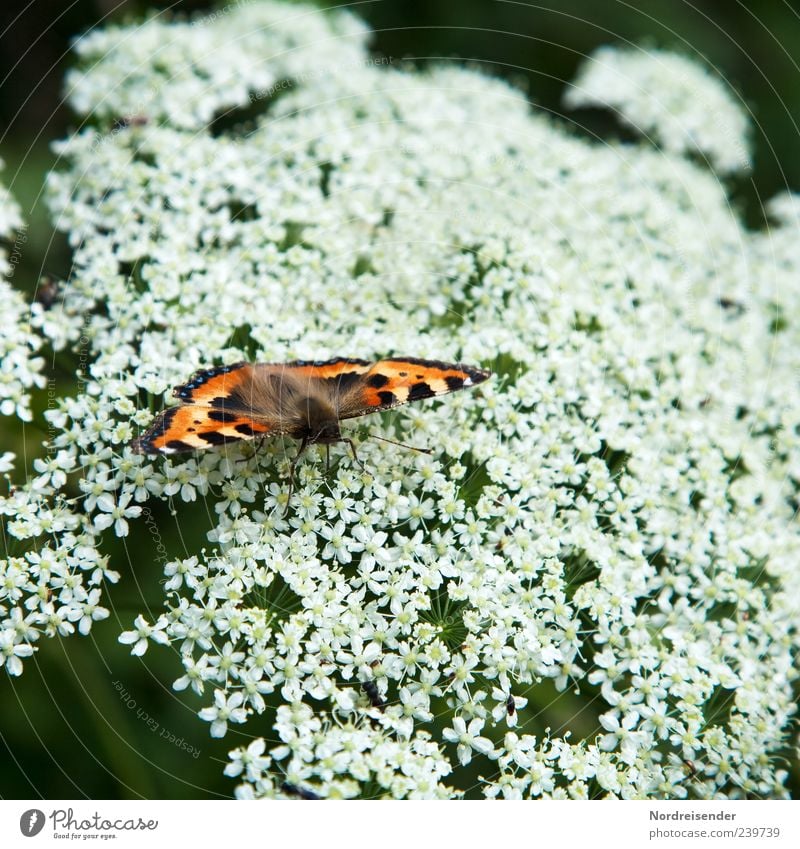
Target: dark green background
x: 65, y: 731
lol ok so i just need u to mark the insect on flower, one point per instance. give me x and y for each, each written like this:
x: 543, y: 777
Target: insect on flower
x: 299, y: 792
x: 47, y: 292
x: 127, y: 121
x: 373, y: 694
x: 304, y: 400
x: 511, y: 706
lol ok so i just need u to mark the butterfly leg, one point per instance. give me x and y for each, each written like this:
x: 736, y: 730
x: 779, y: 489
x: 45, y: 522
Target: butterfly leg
x: 327, y: 457
x: 355, y: 455
x: 258, y: 442
x: 297, y: 456
x: 258, y: 453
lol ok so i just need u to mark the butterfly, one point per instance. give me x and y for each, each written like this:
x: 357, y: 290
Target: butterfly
x: 304, y: 400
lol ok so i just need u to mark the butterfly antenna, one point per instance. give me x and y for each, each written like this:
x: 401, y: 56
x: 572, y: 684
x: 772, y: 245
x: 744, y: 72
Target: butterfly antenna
x: 402, y: 444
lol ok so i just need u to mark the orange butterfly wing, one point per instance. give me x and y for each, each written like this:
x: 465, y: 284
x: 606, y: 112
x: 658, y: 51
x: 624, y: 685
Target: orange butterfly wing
x: 237, y: 387
x: 215, y: 412
x: 325, y: 379
x: 399, y: 380
x: 226, y: 404
x: 190, y: 427
x: 332, y: 370
x: 219, y: 387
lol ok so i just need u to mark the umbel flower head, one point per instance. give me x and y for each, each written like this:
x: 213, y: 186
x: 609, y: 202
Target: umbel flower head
x: 20, y: 368
x: 591, y: 582
x: 670, y: 98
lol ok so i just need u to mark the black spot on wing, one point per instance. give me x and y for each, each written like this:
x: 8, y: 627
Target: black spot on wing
x: 345, y: 380
x: 454, y: 383
x: 234, y: 403
x: 222, y: 416
x: 376, y: 381
x: 245, y: 429
x: 418, y: 391
x: 213, y: 437
x: 476, y: 375
x: 387, y: 398
x: 177, y: 445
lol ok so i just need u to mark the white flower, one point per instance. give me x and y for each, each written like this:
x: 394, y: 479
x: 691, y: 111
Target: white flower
x: 12, y: 651
x: 621, y: 735
x: 52, y: 471
x: 507, y: 707
x: 225, y: 710
x: 144, y: 632
x: 337, y: 545
x: 250, y: 760
x: 468, y: 739
x: 87, y: 611
x: 197, y: 672
x: 115, y: 513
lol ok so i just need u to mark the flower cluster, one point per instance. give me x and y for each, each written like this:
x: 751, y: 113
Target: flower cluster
x: 588, y: 588
x: 50, y: 586
x: 189, y: 73
x: 674, y: 99
x: 20, y: 368
x: 346, y: 760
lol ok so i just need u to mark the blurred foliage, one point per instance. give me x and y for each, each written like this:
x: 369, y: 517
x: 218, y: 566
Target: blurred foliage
x: 87, y: 718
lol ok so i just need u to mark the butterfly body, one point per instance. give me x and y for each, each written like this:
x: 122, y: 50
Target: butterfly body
x: 275, y: 396
x: 304, y: 400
